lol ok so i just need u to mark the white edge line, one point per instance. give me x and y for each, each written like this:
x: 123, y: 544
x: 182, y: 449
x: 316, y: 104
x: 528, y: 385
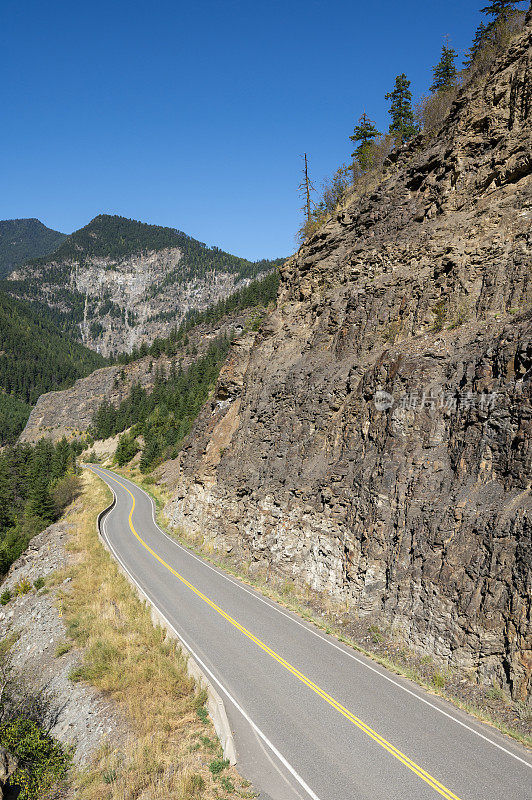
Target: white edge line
x: 213, y: 677
x: 323, y: 638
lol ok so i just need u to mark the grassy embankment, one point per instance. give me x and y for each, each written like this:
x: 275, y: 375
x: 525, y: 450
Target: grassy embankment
x: 172, y: 752
x: 491, y: 705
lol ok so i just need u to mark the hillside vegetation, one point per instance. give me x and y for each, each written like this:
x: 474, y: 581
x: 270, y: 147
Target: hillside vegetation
x: 115, y: 238
x: 257, y: 294
x: 22, y: 239
x: 411, y: 125
x: 164, y: 415
x: 36, y: 484
x: 35, y: 357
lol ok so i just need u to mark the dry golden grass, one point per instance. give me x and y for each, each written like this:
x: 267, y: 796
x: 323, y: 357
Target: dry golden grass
x: 172, y: 751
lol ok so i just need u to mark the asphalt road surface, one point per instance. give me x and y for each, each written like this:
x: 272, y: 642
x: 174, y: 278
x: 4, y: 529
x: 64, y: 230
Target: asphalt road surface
x: 311, y: 718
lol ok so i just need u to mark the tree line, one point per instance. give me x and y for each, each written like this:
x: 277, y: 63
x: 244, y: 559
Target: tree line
x: 371, y: 146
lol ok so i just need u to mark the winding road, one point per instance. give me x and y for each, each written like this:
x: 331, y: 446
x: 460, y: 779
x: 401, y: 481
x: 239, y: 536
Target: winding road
x: 312, y: 719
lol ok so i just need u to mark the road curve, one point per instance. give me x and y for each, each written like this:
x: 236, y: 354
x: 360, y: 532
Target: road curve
x: 312, y: 718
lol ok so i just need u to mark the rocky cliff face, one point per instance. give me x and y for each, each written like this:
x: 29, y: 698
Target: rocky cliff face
x: 123, y: 304
x: 373, y: 441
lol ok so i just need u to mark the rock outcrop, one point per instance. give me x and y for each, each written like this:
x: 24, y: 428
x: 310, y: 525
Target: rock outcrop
x: 122, y: 302
x: 8, y: 765
x: 373, y: 440
x: 69, y: 412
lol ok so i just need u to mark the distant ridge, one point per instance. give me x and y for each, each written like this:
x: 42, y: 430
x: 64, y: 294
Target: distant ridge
x: 118, y: 282
x: 115, y: 237
x: 22, y: 239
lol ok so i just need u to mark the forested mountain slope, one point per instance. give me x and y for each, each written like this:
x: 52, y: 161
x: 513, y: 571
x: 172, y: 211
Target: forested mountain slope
x: 35, y: 357
x: 117, y: 282
x: 374, y: 441
x: 73, y: 411
x: 22, y: 239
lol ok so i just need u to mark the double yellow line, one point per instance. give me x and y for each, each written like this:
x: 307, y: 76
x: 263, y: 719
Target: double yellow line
x: 415, y: 768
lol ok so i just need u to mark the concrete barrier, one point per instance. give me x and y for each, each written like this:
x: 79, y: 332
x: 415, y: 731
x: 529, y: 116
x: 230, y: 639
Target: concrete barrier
x: 215, y: 705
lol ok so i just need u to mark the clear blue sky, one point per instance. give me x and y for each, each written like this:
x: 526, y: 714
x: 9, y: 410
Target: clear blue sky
x: 194, y: 115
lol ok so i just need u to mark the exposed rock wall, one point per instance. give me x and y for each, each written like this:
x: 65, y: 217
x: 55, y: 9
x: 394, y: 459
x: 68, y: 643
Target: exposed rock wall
x: 129, y: 301
x: 374, y: 439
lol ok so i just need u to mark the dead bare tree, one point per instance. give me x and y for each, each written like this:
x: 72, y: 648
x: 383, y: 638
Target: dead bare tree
x: 305, y: 188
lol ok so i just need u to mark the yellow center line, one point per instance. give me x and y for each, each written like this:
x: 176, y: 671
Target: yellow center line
x: 415, y: 768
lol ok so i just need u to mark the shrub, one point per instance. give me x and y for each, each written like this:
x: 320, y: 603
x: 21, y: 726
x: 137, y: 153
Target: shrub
x: 22, y: 586
x: 432, y: 111
x: 65, y: 492
x: 497, y: 39
x: 438, y: 680
x: 43, y: 762
x: 5, y: 597
x: 460, y: 317
x: 348, y: 181
x: 39, y: 583
x: 496, y: 693
x: 218, y: 765
x: 376, y: 634
x: 227, y: 784
x: 440, y: 313
x: 110, y: 775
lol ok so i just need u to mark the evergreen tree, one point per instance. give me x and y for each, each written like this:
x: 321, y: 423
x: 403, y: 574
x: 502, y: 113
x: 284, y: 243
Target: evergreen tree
x: 29, y: 478
x: 365, y: 133
x: 62, y: 459
x: 445, y: 72
x: 164, y: 415
x: 40, y: 501
x: 402, y: 126
x: 501, y: 13
x: 127, y: 448
x: 152, y: 450
x: 501, y: 10
x: 479, y: 41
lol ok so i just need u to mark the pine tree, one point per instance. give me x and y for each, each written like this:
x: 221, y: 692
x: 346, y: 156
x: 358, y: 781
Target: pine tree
x: 445, y: 72
x: 40, y: 502
x: 365, y: 133
x: 479, y: 41
x: 61, y: 459
x: 402, y: 126
x: 501, y: 10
